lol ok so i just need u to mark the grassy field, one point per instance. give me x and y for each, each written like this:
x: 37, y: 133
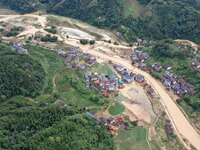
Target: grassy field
x: 133, y: 8
x: 116, y: 109
x: 102, y: 69
x: 134, y: 139
x: 66, y: 91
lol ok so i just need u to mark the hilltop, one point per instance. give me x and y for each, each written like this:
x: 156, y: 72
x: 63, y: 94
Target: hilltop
x: 150, y: 19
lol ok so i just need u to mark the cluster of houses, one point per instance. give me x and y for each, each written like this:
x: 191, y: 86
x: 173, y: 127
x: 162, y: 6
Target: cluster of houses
x: 178, y: 85
x: 129, y: 77
x: 19, y: 47
x: 170, y: 81
x: 112, y: 123
x: 103, y: 83
x: 141, y: 42
x: 72, y: 58
x: 139, y: 56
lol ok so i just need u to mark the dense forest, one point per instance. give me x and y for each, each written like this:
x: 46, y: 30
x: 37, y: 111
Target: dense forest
x: 20, y: 74
x: 27, y: 125
x: 161, y: 19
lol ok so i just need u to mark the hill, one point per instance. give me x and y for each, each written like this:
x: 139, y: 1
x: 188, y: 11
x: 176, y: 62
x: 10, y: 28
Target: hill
x: 26, y: 125
x: 31, y: 114
x: 21, y: 74
x: 151, y: 19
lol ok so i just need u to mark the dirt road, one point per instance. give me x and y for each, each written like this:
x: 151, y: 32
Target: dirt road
x: 192, y: 44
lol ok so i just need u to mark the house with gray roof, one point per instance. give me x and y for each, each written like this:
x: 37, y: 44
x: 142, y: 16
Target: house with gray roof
x: 139, y: 78
x: 127, y: 78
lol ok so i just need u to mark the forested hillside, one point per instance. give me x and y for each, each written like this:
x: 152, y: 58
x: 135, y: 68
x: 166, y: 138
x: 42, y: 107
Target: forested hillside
x: 155, y: 19
x: 19, y: 75
x: 26, y: 125
x: 28, y: 120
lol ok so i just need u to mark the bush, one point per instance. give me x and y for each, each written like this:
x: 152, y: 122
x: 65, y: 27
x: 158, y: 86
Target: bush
x: 83, y: 41
x: 92, y: 42
x: 115, y: 43
x: 52, y: 30
x: 49, y: 38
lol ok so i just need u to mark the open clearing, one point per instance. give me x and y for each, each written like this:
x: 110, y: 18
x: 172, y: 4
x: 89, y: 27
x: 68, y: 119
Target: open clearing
x: 116, y: 109
x: 76, y: 34
x: 134, y: 139
x: 138, y: 102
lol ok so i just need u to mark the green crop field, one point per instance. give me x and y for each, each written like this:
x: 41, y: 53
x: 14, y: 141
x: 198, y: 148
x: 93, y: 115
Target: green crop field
x: 133, y: 8
x: 134, y: 139
x: 116, y: 109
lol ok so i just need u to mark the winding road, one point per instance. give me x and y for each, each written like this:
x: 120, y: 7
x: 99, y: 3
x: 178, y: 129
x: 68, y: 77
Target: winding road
x: 182, y: 126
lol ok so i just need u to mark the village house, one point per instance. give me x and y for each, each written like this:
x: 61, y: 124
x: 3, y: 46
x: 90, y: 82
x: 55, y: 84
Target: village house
x: 60, y: 102
x: 180, y: 92
x: 119, y: 68
x: 88, y: 75
x: 156, y: 67
x: 127, y: 78
x: 198, y: 58
x: 81, y: 67
x: 142, y: 66
x: 167, y: 66
x: 112, y: 78
x: 151, y: 91
x: 176, y: 87
x: 196, y: 65
x: 68, y: 59
x: 167, y: 83
x: 19, y: 47
x: 111, y: 87
x: 139, y: 78
x: 90, y: 61
x: 120, y: 84
x: 139, y: 56
x: 161, y: 78
x: 168, y: 127
x: 94, y: 76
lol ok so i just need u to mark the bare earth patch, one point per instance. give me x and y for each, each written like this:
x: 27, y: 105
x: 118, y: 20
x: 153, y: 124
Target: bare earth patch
x: 138, y: 103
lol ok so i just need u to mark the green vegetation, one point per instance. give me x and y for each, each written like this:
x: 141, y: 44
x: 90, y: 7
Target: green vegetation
x: 52, y: 30
x: 26, y: 125
x: 22, y: 6
x: 38, y: 123
x: 133, y: 18
x: 162, y: 139
x: 92, y: 42
x: 180, y: 57
x: 49, y: 38
x: 116, y: 109
x: 131, y: 139
x: 103, y: 68
x: 85, y: 41
x: 160, y: 19
x: 13, y: 31
x: 21, y: 74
